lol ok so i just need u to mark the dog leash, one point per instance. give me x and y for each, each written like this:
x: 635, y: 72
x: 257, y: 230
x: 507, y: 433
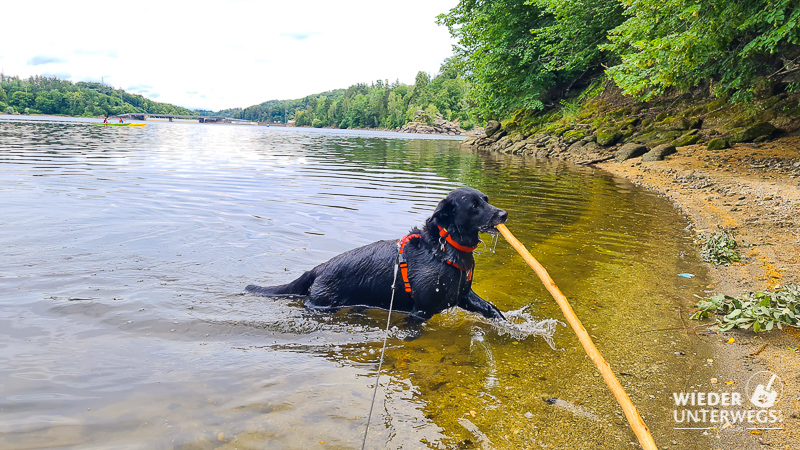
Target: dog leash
x: 383, y: 350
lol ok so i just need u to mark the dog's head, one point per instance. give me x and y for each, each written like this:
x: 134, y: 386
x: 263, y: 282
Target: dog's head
x: 466, y: 212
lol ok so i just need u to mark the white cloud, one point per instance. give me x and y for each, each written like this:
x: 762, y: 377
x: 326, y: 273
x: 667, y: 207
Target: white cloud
x: 223, y: 54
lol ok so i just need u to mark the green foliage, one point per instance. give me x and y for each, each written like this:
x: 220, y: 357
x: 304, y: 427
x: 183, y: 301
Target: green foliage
x: 570, y: 111
x: 684, y: 43
x: 50, y: 95
x: 499, y: 55
x: 520, y: 54
x: 430, y: 114
x: 378, y: 105
x: 570, y: 42
x: 719, y: 248
x: 761, y: 311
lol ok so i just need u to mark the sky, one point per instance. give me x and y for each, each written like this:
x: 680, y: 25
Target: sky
x: 225, y: 54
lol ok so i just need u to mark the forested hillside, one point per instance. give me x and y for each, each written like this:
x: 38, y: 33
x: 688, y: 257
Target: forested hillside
x: 377, y: 105
x: 526, y: 54
x: 50, y: 95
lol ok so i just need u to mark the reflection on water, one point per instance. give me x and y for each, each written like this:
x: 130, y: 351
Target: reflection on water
x: 123, y: 322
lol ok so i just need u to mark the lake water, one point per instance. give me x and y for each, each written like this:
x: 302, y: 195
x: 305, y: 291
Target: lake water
x: 123, y: 323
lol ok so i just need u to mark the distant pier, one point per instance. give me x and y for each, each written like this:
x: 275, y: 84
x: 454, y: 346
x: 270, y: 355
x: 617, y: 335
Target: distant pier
x: 171, y: 117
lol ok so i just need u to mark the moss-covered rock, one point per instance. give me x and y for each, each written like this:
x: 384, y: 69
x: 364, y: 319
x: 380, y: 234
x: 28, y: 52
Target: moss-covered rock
x: 655, y: 138
x: 718, y: 144
x: 752, y: 132
x: 551, y: 128
x: 561, y: 130
x: 619, y: 113
x: 673, y: 124
x: 687, y: 139
x: 716, y: 104
x: 573, y: 136
x: 630, y: 121
x: 608, y: 136
x: 738, y: 121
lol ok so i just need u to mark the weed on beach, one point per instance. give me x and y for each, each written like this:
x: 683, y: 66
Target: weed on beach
x: 719, y: 248
x: 761, y: 310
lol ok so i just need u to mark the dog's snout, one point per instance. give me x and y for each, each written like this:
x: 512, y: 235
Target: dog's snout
x: 502, y: 215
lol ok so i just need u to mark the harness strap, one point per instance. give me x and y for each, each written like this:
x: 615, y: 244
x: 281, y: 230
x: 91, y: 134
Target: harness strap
x: 469, y: 272
x: 401, y: 260
x: 446, y: 235
x: 403, y: 264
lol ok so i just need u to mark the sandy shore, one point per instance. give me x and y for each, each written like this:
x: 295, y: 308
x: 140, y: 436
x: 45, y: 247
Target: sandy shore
x: 753, y: 189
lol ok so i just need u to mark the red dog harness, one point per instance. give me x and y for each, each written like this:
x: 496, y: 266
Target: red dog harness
x: 401, y: 260
x: 403, y: 264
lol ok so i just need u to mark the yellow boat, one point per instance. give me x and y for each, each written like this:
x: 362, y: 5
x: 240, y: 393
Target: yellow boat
x: 119, y: 124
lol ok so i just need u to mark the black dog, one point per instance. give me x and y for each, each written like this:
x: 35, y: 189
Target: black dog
x: 435, y: 265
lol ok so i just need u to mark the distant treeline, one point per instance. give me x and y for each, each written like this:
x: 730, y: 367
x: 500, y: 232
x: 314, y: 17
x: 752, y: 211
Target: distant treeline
x: 526, y: 54
x: 378, y: 105
x: 50, y: 95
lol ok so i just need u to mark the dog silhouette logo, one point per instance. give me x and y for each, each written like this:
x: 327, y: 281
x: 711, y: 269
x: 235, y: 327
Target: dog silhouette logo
x: 764, y: 389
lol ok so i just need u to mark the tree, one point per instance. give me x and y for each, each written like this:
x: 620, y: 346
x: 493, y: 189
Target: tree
x: 21, y: 99
x: 44, y: 103
x: 499, y: 54
x: 570, y: 43
x: 684, y: 43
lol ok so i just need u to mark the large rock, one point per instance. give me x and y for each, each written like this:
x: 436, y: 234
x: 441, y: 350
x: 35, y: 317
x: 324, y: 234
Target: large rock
x: 687, y: 139
x: 491, y: 127
x: 630, y: 150
x: 441, y: 126
x: 673, y: 124
x: 659, y: 153
x: 573, y: 136
x: 576, y: 149
x: 753, y: 132
x: 608, y: 136
x: 718, y: 144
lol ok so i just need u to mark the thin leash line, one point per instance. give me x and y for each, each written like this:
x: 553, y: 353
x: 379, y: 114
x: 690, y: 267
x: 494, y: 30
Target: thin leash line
x: 383, y: 350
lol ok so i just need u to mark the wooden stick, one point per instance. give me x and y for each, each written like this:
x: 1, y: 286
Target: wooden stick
x: 634, y: 419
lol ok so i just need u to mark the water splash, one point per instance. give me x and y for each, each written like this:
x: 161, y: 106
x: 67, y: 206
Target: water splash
x: 495, y: 240
x: 478, y: 344
x: 521, y: 324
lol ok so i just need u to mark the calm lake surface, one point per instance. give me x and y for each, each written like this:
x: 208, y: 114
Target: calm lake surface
x: 123, y: 323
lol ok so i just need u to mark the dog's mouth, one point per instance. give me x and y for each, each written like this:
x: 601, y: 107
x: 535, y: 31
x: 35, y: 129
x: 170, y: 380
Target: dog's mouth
x: 491, y: 227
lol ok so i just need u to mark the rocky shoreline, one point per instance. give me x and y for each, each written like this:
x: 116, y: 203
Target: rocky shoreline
x: 438, y: 126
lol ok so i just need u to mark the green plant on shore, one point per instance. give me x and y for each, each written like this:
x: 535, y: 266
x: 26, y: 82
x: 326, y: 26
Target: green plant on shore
x: 570, y: 110
x: 761, y: 311
x: 719, y: 248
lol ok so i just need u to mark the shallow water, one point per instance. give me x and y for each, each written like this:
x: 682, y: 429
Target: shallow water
x: 123, y: 323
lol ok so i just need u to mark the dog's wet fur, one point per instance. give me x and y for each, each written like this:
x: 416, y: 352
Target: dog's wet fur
x: 363, y: 276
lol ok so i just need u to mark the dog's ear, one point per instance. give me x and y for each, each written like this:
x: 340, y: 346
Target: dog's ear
x: 444, y: 211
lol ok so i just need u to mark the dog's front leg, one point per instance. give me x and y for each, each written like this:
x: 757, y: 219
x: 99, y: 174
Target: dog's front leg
x: 471, y: 302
